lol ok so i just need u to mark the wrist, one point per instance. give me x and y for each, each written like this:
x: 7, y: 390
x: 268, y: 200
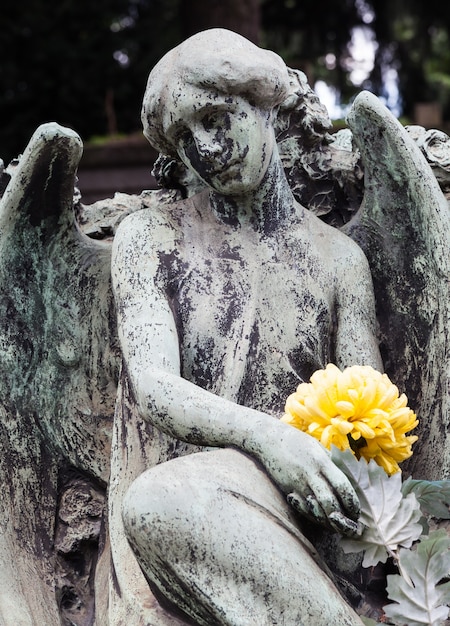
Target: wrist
x: 259, y: 433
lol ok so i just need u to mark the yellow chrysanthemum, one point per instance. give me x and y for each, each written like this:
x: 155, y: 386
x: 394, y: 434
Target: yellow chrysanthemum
x: 359, y: 409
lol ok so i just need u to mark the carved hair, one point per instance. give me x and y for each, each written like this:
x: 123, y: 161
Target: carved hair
x: 213, y: 60
x: 302, y: 114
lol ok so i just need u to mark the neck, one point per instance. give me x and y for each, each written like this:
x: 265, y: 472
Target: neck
x: 265, y: 208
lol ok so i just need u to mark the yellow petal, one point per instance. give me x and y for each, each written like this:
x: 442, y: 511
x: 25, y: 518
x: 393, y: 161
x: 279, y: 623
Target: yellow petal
x: 331, y: 436
x: 315, y: 409
x: 364, y: 429
x: 358, y: 402
x: 389, y: 397
x: 367, y: 397
x: 345, y: 408
x: 296, y: 408
x: 343, y: 426
x: 325, y: 439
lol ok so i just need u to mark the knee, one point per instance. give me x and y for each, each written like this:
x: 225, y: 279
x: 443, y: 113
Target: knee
x: 150, y: 506
x: 160, y: 511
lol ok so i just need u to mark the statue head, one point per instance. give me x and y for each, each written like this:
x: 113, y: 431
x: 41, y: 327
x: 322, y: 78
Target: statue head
x: 210, y: 101
x: 215, y: 61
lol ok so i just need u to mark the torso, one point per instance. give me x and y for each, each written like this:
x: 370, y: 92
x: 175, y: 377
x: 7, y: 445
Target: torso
x: 255, y: 315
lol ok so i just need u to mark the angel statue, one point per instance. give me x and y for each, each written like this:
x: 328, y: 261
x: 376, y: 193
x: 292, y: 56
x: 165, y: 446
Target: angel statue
x: 224, y: 301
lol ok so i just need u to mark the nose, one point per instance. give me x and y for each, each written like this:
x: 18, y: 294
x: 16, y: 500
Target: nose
x: 208, y: 146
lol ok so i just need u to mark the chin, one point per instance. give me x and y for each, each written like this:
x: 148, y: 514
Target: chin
x: 236, y: 187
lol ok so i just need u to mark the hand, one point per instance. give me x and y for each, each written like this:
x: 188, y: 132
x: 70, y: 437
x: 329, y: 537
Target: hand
x: 314, y: 486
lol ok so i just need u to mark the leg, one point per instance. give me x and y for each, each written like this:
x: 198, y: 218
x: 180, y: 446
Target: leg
x: 215, y: 537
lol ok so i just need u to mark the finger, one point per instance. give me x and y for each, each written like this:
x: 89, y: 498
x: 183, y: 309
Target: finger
x: 335, y: 520
x: 316, y: 509
x: 298, y: 504
x: 343, y: 525
x: 334, y: 500
x: 345, y: 498
x: 308, y: 507
x: 325, y: 494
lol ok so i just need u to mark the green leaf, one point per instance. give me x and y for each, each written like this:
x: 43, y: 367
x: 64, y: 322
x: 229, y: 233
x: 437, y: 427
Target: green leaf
x: 423, y: 601
x: 433, y: 496
x: 390, y: 520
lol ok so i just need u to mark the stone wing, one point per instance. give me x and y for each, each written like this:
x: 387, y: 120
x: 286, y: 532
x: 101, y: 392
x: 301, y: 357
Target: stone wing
x: 403, y: 226
x: 58, y: 368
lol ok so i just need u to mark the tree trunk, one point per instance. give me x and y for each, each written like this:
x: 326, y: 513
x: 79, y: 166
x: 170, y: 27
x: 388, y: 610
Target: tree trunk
x: 241, y: 16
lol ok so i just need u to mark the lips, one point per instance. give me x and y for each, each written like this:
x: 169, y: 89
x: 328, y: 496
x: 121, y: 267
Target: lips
x: 221, y: 169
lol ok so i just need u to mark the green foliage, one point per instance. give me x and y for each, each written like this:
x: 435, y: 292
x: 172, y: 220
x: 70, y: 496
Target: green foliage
x: 413, y: 36
x: 304, y: 36
x: 85, y: 64
x: 390, y: 520
x: 368, y: 621
x: 390, y: 514
x: 433, y: 496
x: 422, y: 600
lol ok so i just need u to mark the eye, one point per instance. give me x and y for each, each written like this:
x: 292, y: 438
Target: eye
x: 217, y: 120
x: 211, y: 121
x: 182, y: 135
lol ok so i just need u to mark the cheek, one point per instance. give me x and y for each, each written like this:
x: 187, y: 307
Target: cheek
x: 262, y: 146
x: 190, y: 157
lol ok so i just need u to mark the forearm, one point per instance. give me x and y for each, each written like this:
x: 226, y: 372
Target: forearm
x: 296, y: 462
x: 190, y: 413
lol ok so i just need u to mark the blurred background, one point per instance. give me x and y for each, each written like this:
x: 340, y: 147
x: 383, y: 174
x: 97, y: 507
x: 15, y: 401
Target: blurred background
x: 84, y: 64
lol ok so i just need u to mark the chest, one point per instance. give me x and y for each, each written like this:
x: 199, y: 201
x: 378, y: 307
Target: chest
x: 253, y: 320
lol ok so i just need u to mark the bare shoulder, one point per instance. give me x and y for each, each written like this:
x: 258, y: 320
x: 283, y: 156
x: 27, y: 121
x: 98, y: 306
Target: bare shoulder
x: 336, y: 246
x: 147, y: 226
x: 156, y: 229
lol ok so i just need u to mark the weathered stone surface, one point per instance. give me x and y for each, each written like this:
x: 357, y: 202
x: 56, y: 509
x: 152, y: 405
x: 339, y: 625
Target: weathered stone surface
x: 403, y: 227
x: 209, y: 357
x: 225, y: 301
x: 58, y: 367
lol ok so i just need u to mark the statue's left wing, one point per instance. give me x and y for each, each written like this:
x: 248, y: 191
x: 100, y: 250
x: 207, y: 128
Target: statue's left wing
x: 403, y: 226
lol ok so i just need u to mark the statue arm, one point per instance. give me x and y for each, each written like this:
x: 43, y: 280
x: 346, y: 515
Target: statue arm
x: 149, y: 340
x: 356, y: 337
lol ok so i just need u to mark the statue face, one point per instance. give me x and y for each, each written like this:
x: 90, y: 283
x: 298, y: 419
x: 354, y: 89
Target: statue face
x: 227, y: 141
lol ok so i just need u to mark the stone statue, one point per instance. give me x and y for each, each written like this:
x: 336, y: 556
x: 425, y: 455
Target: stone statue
x: 224, y: 301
